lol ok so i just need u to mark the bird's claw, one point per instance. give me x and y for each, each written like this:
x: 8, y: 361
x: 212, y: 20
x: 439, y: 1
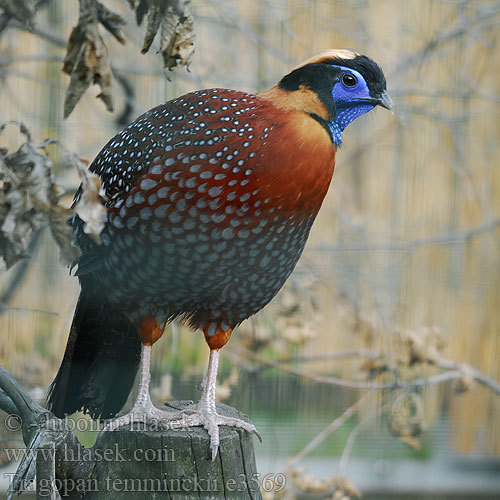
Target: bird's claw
x: 145, y: 415
x: 211, y: 421
x: 259, y: 437
x: 148, y: 414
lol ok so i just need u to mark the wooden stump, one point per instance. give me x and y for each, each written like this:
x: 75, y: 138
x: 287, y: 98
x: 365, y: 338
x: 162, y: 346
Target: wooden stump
x: 173, y: 464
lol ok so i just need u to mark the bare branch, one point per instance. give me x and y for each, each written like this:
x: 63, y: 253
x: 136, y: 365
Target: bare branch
x: 460, y: 370
x: 329, y: 429
x: 346, y: 453
x: 468, y: 371
x: 329, y: 356
x: 408, y: 246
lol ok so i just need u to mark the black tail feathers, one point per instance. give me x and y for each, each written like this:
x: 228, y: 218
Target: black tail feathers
x: 101, y: 358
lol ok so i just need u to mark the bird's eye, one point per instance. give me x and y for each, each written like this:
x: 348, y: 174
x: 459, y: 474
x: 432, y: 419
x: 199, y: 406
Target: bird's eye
x: 349, y: 80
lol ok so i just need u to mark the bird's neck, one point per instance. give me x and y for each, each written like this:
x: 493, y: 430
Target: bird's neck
x: 306, y: 101
x: 303, y: 99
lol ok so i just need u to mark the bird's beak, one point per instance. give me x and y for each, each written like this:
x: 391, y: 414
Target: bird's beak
x: 386, y: 102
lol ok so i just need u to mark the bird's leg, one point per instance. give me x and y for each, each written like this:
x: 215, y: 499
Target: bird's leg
x: 144, y: 411
x: 205, y: 413
x: 207, y: 400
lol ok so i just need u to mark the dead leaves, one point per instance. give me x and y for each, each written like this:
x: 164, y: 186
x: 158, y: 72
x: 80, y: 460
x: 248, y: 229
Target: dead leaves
x: 341, y: 488
x: 406, y: 419
x: 27, y: 191
x: 290, y: 321
x: 87, y: 59
x: 111, y: 21
x: 29, y: 200
x: 22, y: 10
x: 410, y: 349
x: 177, y: 36
x: 177, y: 39
x: 466, y: 382
x: 422, y: 345
x: 345, y: 489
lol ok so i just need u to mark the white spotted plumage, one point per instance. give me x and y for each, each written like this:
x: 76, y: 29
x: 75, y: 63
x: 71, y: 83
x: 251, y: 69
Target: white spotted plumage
x: 188, y: 232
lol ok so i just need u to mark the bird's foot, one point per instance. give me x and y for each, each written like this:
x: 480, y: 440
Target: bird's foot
x: 211, y: 421
x: 147, y: 415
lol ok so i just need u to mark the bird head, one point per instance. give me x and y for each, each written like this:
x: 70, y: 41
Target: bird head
x: 336, y: 87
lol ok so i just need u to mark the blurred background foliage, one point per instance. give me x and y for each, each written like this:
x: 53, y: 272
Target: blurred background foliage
x: 401, y: 273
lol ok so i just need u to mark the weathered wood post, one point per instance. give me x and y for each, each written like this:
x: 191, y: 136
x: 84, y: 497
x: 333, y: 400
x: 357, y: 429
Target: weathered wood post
x: 173, y: 464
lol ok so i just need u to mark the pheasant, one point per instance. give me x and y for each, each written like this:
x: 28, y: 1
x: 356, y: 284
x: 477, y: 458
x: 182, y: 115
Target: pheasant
x: 210, y: 198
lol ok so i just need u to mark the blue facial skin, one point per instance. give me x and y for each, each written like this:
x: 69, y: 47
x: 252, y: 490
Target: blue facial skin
x: 348, y: 102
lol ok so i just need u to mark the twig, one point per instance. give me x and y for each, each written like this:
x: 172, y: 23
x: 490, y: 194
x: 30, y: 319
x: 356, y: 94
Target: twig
x: 457, y: 371
x: 346, y: 453
x: 329, y: 429
x: 407, y: 246
x: 35, y: 310
x: 465, y: 369
x: 444, y: 36
x: 350, y: 353
x: 42, y: 33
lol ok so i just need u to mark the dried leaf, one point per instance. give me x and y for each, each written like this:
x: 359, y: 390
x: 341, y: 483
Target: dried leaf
x: 466, y: 382
x: 29, y: 199
x: 89, y: 206
x: 155, y: 15
x: 141, y: 9
x: 112, y: 21
x: 177, y: 29
x: 424, y: 344
x: 307, y: 483
x: 295, y: 330
x: 23, y: 10
x: 406, y: 419
x: 345, y: 489
x: 177, y: 39
x: 26, y: 193
x: 373, y: 367
x: 87, y: 59
x: 290, y: 302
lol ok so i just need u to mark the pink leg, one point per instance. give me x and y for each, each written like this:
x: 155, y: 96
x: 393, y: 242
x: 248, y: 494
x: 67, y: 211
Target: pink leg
x: 143, y: 410
x: 206, y: 413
